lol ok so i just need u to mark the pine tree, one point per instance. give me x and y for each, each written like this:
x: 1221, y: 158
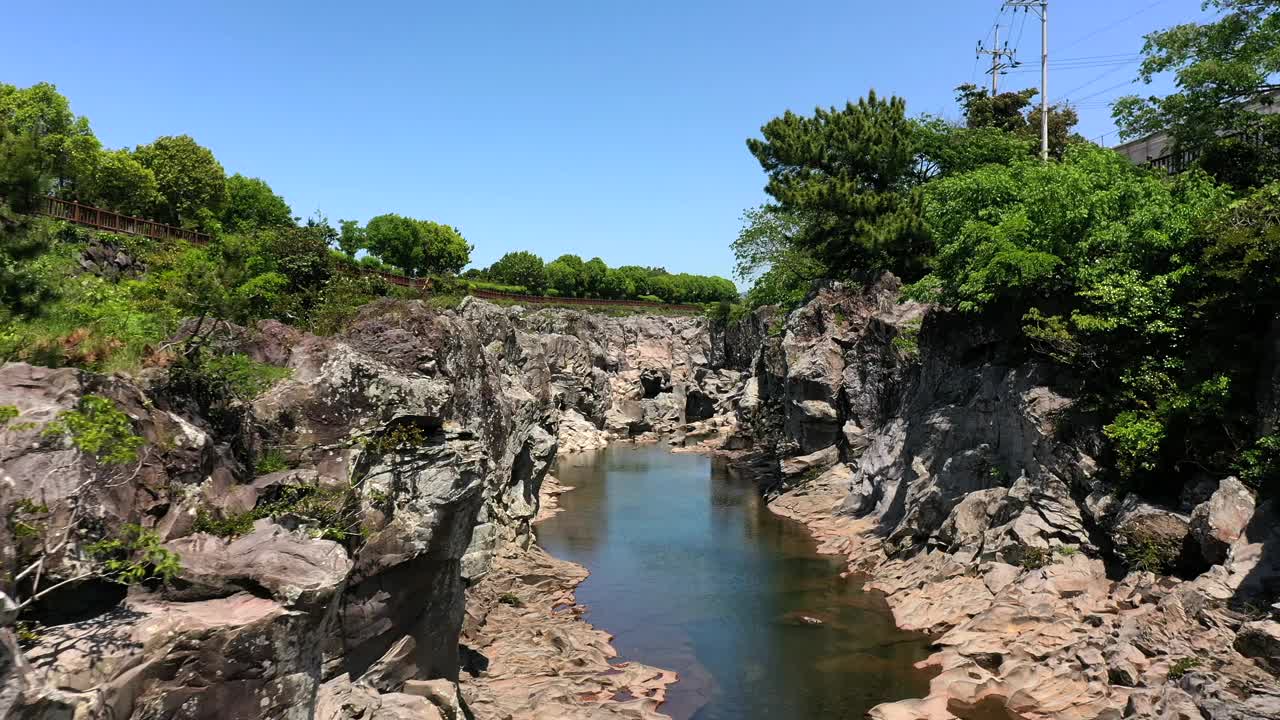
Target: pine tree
x: 849, y: 170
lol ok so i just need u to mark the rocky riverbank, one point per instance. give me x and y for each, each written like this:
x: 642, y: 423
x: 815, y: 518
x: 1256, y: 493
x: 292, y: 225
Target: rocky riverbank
x: 532, y: 654
x: 963, y: 482
x: 960, y: 475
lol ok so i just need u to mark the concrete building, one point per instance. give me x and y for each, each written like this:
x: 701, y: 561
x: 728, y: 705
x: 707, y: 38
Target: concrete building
x: 1156, y: 150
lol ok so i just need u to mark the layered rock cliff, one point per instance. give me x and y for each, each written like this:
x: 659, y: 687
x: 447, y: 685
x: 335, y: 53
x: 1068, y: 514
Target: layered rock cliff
x: 415, y: 444
x: 964, y: 477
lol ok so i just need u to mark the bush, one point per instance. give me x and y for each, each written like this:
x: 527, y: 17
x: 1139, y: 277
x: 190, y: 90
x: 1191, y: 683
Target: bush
x: 98, y: 428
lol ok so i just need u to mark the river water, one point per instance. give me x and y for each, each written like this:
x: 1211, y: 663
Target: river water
x: 691, y: 572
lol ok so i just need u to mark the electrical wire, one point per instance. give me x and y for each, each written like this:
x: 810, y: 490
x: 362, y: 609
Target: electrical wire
x: 1105, y: 28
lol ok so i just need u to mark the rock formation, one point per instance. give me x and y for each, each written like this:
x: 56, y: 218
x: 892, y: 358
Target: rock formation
x: 964, y: 480
x: 418, y: 441
x: 959, y: 474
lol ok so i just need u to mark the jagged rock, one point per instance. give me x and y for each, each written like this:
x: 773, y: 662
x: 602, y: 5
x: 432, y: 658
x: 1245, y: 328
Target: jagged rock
x: 1219, y: 521
x: 1261, y: 640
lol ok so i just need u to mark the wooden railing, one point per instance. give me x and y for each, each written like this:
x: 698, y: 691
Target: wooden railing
x: 102, y: 219
x: 96, y: 217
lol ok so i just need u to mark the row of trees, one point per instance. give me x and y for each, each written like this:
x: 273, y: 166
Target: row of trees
x: 571, y: 276
x: 176, y: 180
x: 1159, y: 292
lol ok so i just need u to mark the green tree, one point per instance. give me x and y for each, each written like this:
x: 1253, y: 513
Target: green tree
x: 1012, y: 112
x: 521, y: 268
x: 446, y: 251
x: 252, y: 204
x: 22, y: 290
x: 396, y: 240
x: 417, y: 246
x: 569, y: 277
x: 946, y: 149
x: 119, y: 182
x: 191, y: 181
x: 1004, y: 111
x: 1225, y: 70
x: 851, y: 173
x: 66, y: 147
x: 562, y: 277
x: 593, y: 275
x: 769, y: 256
x: 351, y: 238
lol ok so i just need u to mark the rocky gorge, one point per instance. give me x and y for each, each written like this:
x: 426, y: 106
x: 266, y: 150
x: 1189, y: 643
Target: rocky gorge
x: 961, y: 478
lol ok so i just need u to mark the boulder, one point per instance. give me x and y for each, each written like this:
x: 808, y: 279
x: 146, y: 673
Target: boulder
x: 1219, y: 521
x: 1260, y: 640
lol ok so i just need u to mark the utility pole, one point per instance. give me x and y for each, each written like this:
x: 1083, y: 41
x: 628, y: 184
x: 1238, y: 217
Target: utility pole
x: 996, y: 65
x: 1042, y: 9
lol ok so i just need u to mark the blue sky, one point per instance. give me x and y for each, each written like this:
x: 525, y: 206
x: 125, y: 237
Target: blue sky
x: 593, y: 127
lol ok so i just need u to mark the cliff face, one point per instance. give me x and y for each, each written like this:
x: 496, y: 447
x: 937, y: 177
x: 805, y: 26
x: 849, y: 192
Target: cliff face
x: 964, y: 478
x: 416, y: 443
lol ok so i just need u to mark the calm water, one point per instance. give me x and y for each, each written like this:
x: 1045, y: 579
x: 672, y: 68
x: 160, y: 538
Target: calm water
x: 690, y: 571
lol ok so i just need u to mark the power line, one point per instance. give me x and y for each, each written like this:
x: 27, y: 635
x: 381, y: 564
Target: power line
x: 1105, y: 28
x: 1067, y: 95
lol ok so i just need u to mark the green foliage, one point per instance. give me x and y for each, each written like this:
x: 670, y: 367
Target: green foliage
x: 271, y: 460
x: 1259, y: 465
x: 1223, y: 68
x: 240, y: 376
x: 351, y: 238
x: 509, y: 598
x: 7, y: 413
x: 520, y: 268
x: 1150, y: 554
x: 416, y: 246
x: 1136, y: 438
x: 99, y: 428
x: 190, y: 180
x: 251, y: 204
x: 64, y: 148
x: 328, y: 511
x: 118, y: 181
x: 23, y: 292
x: 907, y: 341
x: 1182, y: 666
x: 850, y: 173
x: 134, y: 557
x: 768, y: 253
x: 945, y: 149
x: 1033, y: 558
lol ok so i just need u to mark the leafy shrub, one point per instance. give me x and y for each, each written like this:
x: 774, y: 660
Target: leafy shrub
x: 326, y: 510
x: 7, y: 413
x: 272, y: 460
x: 98, y: 428
x: 135, y: 557
x: 241, y: 376
x: 907, y: 341
x: 650, y: 298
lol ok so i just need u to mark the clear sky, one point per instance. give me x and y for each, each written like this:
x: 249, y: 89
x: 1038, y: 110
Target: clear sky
x: 594, y: 127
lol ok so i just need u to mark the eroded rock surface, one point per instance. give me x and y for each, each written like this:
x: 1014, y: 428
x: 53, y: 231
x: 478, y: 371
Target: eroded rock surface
x: 963, y: 480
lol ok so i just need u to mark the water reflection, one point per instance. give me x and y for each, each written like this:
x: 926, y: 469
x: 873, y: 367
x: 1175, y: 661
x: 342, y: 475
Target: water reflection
x: 690, y: 571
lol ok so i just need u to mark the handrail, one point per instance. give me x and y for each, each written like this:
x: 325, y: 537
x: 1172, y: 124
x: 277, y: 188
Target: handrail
x: 102, y: 219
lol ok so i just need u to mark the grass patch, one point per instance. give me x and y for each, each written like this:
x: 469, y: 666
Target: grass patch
x: 1182, y: 666
x: 326, y: 511
x: 271, y: 460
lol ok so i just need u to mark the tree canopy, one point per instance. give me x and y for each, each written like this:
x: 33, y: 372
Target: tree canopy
x: 252, y: 204
x: 190, y: 180
x: 851, y: 172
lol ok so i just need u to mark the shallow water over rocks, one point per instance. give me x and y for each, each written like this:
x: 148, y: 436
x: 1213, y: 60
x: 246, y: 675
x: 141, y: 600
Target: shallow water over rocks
x: 691, y: 572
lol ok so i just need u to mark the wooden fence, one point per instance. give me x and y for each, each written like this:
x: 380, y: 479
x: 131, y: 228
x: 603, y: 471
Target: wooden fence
x: 102, y: 219
x: 95, y: 217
